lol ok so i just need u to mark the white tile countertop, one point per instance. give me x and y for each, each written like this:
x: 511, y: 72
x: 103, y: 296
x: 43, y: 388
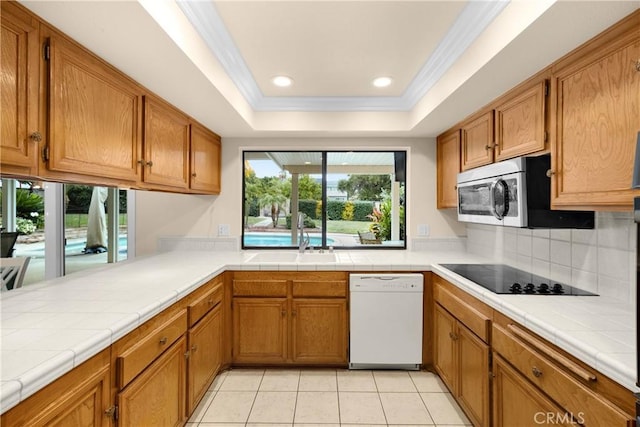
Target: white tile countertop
x: 51, y: 327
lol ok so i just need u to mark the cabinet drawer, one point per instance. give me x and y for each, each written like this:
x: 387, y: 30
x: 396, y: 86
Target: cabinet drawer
x: 477, y: 322
x: 556, y: 376
x: 134, y: 360
x: 260, y: 288
x: 333, y: 288
x: 202, y: 305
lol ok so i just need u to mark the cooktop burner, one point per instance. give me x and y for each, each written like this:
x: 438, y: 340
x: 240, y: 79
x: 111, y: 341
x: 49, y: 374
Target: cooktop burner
x: 503, y: 279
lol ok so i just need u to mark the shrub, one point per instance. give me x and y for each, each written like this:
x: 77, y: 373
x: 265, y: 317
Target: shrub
x: 347, y: 212
x: 334, y: 209
x: 308, y: 222
x: 361, y: 210
x: 25, y: 226
x: 318, y: 209
x: 308, y: 207
x: 27, y: 203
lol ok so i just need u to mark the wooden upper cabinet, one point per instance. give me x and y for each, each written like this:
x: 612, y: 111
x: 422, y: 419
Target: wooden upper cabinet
x: 205, y: 160
x: 94, y: 115
x: 477, y: 141
x: 596, y: 108
x: 20, y: 132
x: 448, y: 167
x: 520, y: 122
x: 166, y: 145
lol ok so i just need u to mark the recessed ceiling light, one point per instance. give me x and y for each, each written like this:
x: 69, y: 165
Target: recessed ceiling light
x: 382, y: 82
x: 282, y: 81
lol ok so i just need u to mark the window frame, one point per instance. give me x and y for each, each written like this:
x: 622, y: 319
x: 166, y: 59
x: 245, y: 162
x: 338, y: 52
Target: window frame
x: 324, y: 154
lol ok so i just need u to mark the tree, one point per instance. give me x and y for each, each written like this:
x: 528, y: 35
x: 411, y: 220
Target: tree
x: 272, y: 194
x: 309, y: 188
x: 365, y: 187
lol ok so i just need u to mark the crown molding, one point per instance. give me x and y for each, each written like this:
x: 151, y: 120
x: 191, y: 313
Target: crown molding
x: 470, y: 23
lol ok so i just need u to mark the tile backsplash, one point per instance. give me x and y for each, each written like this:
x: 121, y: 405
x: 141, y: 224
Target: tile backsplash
x: 601, y: 260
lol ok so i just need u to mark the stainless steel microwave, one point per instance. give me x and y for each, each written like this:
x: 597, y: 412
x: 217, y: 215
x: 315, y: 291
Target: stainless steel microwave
x: 514, y: 193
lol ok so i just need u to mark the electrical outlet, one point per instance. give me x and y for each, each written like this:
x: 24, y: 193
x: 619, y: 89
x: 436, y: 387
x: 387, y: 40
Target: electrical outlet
x: 423, y: 230
x: 223, y: 230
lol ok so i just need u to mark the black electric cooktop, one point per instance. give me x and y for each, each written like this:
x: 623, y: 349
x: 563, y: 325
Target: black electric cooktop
x: 503, y: 279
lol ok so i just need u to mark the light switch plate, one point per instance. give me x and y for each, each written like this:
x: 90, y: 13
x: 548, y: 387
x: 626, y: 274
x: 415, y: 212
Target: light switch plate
x: 223, y: 230
x: 423, y: 230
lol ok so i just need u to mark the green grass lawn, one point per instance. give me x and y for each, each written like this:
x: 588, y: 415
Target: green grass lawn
x: 78, y: 220
x: 345, y: 227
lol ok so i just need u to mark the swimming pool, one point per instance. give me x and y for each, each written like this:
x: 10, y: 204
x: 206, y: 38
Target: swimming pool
x: 72, y: 247
x: 278, y: 239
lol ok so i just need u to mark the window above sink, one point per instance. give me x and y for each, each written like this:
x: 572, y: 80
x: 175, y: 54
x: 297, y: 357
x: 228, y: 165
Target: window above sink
x: 349, y: 199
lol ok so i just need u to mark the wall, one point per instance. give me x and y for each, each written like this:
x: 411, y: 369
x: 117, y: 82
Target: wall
x: 601, y: 260
x: 164, y: 214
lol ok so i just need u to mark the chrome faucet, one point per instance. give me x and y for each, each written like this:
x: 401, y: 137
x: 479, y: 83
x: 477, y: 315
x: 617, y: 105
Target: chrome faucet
x: 303, y: 242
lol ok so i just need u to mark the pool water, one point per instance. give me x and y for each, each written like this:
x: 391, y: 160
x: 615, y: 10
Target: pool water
x: 277, y: 239
x: 70, y: 248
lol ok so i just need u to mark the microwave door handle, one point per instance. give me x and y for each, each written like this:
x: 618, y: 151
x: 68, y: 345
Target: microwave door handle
x: 501, y: 211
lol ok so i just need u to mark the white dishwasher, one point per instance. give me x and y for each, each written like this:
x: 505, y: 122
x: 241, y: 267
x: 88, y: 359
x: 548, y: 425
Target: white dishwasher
x: 385, y: 321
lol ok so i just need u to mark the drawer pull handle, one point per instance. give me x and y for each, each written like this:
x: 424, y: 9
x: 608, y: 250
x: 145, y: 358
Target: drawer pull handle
x: 163, y: 340
x: 558, y: 358
x: 536, y: 372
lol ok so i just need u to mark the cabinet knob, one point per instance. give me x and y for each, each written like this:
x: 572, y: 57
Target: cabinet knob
x: 550, y: 173
x: 36, y: 136
x: 489, y: 146
x: 141, y: 162
x: 193, y: 174
x: 536, y: 372
x: 163, y: 340
x: 149, y: 163
x: 453, y: 336
x: 194, y: 347
x: 636, y: 64
x: 284, y: 313
x: 293, y: 313
x: 210, y: 302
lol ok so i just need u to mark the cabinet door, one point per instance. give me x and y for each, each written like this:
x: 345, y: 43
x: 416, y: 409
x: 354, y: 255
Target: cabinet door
x: 94, y: 115
x: 448, y: 167
x: 260, y: 330
x: 520, y: 123
x: 445, y: 348
x: 205, y: 160
x: 516, y: 402
x: 473, y: 394
x: 319, y: 330
x: 19, y: 74
x: 166, y: 145
x: 596, y: 111
x: 79, y: 398
x: 477, y: 141
x: 157, y: 396
x: 205, y: 355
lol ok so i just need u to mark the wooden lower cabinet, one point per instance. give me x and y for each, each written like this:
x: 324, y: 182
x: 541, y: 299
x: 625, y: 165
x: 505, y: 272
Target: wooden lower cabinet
x: 260, y: 332
x: 290, y: 318
x: 462, y: 361
x: 518, y: 403
x: 79, y: 398
x: 157, y: 397
x: 205, y: 355
x: 318, y: 330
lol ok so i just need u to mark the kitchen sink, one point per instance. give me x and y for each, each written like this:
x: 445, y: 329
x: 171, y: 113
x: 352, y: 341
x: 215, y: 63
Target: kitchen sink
x: 281, y: 257
x: 317, y: 257
x: 274, y: 257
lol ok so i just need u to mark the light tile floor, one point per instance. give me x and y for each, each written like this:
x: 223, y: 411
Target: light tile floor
x: 326, y: 398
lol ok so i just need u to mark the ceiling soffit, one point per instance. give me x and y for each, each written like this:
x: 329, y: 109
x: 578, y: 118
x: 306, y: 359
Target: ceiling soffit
x: 474, y: 18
